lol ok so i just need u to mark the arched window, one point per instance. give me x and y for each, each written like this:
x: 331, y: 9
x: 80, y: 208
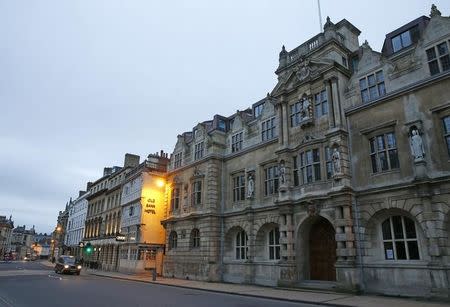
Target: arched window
x: 274, y: 244
x: 195, y: 238
x: 241, y: 245
x: 173, y: 240
x: 400, y: 239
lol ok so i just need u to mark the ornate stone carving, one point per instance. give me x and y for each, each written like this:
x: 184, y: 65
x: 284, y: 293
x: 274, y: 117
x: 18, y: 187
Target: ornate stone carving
x: 434, y: 11
x: 303, y: 71
x: 312, y: 209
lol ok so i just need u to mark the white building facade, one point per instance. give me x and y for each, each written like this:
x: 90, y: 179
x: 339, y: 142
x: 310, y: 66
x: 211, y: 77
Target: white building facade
x: 76, y: 221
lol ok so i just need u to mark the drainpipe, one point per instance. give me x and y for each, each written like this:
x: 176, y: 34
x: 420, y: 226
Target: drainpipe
x: 222, y: 224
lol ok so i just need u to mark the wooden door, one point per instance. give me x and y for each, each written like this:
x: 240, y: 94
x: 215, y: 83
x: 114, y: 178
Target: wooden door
x: 322, y: 251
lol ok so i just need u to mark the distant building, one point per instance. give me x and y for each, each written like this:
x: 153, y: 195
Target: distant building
x: 58, y: 246
x: 41, y: 245
x: 142, y: 202
x: 22, y: 241
x: 6, y: 227
x: 75, y: 223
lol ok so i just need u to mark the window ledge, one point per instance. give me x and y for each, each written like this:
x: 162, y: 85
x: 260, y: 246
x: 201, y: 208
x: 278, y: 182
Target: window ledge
x: 397, y: 263
x: 392, y: 171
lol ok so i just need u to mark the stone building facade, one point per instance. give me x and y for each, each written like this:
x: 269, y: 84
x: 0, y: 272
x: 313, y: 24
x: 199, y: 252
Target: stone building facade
x: 400, y: 159
x: 104, y: 214
x: 331, y: 177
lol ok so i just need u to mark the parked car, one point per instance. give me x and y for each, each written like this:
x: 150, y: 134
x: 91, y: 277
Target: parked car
x: 67, y: 264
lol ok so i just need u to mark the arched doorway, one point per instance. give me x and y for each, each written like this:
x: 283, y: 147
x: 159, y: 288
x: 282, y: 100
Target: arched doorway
x: 322, y: 251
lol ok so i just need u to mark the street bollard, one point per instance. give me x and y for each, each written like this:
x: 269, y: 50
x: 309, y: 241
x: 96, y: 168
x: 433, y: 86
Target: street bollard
x: 154, y: 274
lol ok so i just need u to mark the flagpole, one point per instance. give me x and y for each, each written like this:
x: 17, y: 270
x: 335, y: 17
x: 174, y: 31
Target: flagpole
x: 320, y: 15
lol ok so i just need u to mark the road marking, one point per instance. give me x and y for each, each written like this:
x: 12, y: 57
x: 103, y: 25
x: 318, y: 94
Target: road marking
x: 55, y: 277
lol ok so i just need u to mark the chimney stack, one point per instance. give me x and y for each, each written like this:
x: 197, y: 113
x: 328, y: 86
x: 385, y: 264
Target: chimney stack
x: 131, y: 160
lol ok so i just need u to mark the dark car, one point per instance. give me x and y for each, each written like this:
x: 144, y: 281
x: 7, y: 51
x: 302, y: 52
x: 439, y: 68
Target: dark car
x: 67, y: 264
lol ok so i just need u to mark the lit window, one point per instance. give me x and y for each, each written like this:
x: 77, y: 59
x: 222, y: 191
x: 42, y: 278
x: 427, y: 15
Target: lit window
x: 274, y: 244
x: 310, y: 166
x: 321, y: 103
x: 383, y: 152
x: 177, y: 160
x: 238, y: 188
x: 438, y: 58
x: 241, y: 245
x: 196, y: 193
x: 401, y: 41
x: 400, y: 239
x: 270, y: 180
x: 236, y: 142
x: 173, y: 240
x: 198, y: 151
x: 195, y: 238
x: 372, y: 86
x: 268, y: 129
x: 446, y: 122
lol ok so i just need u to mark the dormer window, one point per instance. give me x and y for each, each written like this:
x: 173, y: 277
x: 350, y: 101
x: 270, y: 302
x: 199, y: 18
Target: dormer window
x: 257, y: 110
x: 401, y: 41
x: 177, y: 160
x: 221, y: 125
x: 438, y: 58
x: 372, y: 86
x: 236, y: 142
x: 198, y: 151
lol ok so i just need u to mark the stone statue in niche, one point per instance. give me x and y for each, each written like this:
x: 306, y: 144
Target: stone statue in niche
x: 282, y: 172
x: 304, y: 108
x: 250, y: 186
x: 336, y: 158
x: 417, y: 145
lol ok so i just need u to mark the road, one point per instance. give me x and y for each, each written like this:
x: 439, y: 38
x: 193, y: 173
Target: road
x: 24, y: 284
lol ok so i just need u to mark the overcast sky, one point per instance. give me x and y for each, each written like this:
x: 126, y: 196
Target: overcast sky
x: 84, y: 82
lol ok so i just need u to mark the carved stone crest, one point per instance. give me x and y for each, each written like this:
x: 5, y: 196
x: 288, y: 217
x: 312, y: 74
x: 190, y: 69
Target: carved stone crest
x: 303, y: 71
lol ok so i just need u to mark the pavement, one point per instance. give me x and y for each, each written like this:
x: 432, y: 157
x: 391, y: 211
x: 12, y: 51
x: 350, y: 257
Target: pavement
x: 328, y: 298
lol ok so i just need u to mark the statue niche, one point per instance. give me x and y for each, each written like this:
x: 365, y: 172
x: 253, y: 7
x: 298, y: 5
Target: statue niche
x: 303, y: 110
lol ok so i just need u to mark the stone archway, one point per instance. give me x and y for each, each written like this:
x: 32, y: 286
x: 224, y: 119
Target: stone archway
x: 316, y: 249
x: 322, y: 251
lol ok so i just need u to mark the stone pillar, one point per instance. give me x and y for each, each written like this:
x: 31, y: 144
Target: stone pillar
x: 339, y: 234
x: 336, y: 102
x: 330, y: 104
x: 287, y: 235
x: 284, y: 121
x: 279, y: 110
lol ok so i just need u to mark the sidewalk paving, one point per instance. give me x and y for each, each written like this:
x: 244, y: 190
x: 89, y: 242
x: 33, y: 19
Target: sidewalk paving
x: 304, y: 296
